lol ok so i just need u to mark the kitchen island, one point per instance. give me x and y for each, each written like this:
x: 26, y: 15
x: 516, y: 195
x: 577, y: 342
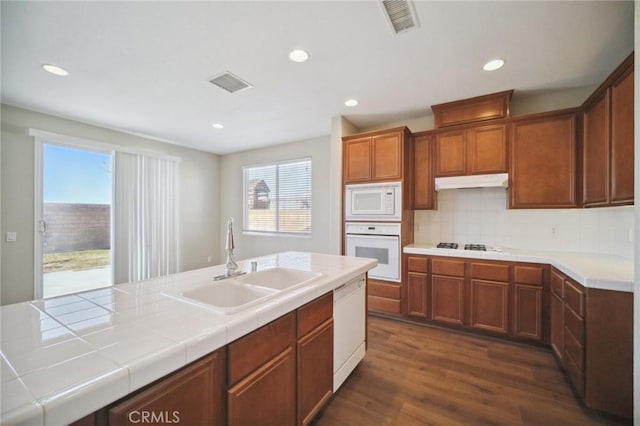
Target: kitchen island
x: 64, y: 358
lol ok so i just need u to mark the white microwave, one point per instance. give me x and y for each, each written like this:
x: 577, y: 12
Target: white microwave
x: 373, y: 201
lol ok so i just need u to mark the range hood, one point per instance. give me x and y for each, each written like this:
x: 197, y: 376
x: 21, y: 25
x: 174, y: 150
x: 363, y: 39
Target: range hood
x: 498, y: 180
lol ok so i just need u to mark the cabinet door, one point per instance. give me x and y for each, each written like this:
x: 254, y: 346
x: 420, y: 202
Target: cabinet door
x: 315, y: 371
x: 622, y: 140
x: 193, y: 396
x: 268, y: 394
x: 596, y: 152
x: 450, y: 154
x: 489, y: 306
x: 543, y: 163
x: 424, y: 185
x: 417, y: 294
x: 527, y: 312
x: 557, y: 325
x: 387, y: 157
x: 357, y: 160
x: 447, y: 299
x: 487, y: 150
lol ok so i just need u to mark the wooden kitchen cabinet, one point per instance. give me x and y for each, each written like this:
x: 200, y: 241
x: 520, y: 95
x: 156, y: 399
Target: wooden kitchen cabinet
x: 544, y: 167
x: 424, y: 194
x: 262, y: 375
x: 418, y: 289
x: 376, y: 156
x: 592, y: 337
x: 384, y: 297
x: 622, y: 138
x: 194, y: 395
x: 315, y: 357
x: 608, y: 142
x: 529, y: 290
x: 476, y: 150
x: 489, y: 304
x: 447, y: 290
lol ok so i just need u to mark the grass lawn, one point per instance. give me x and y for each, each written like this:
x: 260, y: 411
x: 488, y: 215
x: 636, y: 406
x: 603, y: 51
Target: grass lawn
x: 76, y: 260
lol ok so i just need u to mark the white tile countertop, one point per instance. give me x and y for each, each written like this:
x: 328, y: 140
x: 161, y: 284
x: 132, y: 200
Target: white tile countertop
x: 590, y: 270
x: 65, y: 357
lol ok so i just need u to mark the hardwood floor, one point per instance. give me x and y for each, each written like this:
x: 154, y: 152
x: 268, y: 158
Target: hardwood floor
x: 417, y: 375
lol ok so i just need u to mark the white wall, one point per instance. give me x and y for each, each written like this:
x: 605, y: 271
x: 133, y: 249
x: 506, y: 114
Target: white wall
x: 198, y: 185
x: 481, y: 216
x: 232, y: 196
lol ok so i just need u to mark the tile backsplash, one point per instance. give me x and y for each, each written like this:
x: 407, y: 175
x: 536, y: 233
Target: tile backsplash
x: 481, y: 216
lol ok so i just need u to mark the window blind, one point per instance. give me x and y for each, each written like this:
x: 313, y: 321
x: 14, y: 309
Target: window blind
x: 278, y: 197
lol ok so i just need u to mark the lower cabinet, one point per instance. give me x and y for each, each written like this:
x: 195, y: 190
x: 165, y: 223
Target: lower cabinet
x: 267, y: 394
x: 384, y: 297
x: 489, y: 305
x: 502, y: 298
x: 592, y: 338
x: 193, y: 395
x: 315, y: 357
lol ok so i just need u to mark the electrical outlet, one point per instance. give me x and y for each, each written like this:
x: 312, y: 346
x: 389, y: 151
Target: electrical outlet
x: 630, y: 235
x: 554, y: 230
x: 11, y: 237
x: 209, y: 258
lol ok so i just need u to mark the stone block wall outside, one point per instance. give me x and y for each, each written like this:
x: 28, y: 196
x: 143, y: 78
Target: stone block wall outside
x: 76, y: 227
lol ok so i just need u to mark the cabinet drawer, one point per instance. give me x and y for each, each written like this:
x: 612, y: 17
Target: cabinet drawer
x: 528, y: 274
x: 574, y: 297
x: 490, y: 271
x: 447, y: 267
x: 556, y: 284
x: 314, y: 313
x: 575, y: 324
x: 575, y: 374
x: 251, y: 351
x: 573, y: 349
x: 417, y: 264
x: 390, y: 291
x: 382, y: 304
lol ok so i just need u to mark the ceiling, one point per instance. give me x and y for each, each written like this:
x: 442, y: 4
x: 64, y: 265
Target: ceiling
x: 144, y: 67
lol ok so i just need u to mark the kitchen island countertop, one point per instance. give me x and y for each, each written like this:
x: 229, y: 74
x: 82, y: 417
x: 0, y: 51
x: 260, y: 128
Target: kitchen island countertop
x: 600, y: 271
x: 65, y: 357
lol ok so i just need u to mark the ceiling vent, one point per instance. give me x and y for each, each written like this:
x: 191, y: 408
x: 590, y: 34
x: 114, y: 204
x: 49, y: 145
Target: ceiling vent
x: 230, y: 82
x: 400, y: 14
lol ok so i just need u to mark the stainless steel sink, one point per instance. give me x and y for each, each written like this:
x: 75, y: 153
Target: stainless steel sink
x: 236, y: 294
x: 279, y: 278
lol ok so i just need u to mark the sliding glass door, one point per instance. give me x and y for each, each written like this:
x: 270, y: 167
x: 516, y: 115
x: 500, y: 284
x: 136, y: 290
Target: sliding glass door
x: 73, y: 219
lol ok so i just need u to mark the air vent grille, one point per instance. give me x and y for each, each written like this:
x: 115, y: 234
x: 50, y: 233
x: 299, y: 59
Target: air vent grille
x: 230, y: 82
x: 400, y: 14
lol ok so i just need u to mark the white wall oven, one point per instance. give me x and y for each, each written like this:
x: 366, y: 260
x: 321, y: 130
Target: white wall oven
x: 379, y: 241
x: 375, y: 201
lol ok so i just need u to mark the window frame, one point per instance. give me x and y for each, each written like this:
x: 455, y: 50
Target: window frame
x: 245, y: 200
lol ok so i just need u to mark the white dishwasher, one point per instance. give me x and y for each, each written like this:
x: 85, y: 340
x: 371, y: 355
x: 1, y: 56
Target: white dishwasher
x: 349, y: 318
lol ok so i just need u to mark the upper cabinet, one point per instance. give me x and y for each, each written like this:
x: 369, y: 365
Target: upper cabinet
x: 424, y: 196
x: 608, y: 134
x: 544, y: 162
x: 472, y: 151
x: 472, y: 110
x: 376, y: 156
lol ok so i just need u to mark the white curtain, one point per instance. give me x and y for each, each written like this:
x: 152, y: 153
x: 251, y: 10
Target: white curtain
x: 145, y: 218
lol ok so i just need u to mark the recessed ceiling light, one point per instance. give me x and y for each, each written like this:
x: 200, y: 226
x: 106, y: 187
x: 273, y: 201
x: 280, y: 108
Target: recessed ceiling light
x: 53, y: 69
x: 493, y: 65
x: 351, y: 102
x: 298, y: 55
x: 217, y: 126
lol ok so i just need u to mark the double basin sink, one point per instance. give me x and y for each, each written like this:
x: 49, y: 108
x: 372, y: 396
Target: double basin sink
x: 241, y: 292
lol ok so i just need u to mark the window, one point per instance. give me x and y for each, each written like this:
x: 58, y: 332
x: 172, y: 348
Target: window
x: 278, y: 197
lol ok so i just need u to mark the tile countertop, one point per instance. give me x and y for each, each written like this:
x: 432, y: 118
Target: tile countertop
x: 590, y: 270
x: 65, y: 357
